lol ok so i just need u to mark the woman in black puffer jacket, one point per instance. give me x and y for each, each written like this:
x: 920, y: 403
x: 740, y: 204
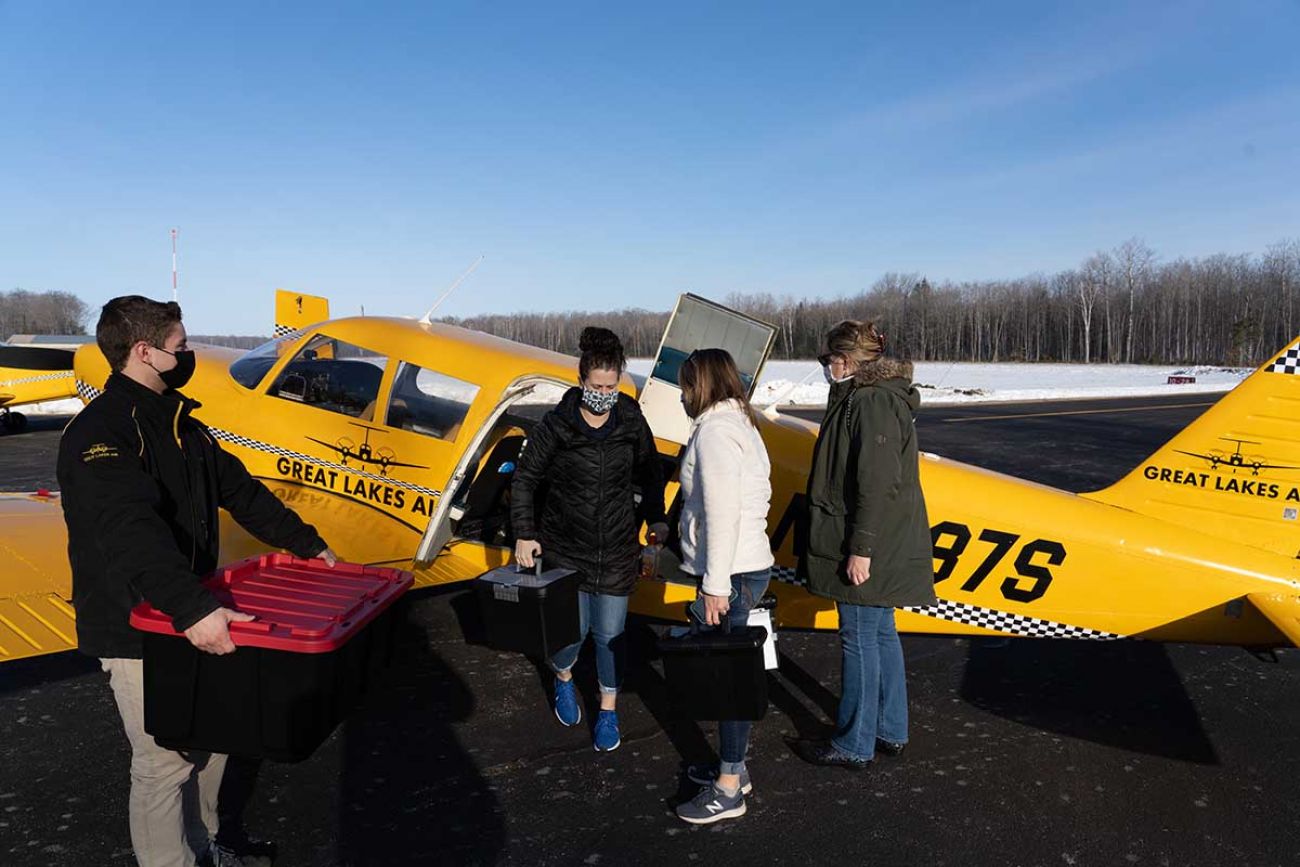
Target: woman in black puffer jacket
x: 589, y: 452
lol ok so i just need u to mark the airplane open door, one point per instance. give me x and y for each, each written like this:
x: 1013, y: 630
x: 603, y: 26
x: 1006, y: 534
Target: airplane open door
x: 441, y: 529
x: 697, y: 323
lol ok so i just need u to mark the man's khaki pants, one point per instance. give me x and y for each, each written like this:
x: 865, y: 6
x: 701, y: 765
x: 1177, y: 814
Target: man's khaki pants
x: 173, y: 796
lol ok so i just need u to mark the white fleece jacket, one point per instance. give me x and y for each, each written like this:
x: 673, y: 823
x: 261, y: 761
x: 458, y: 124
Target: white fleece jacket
x: 726, y: 490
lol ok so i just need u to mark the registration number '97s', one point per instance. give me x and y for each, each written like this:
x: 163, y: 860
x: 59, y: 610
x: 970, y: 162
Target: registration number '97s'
x: 954, y: 542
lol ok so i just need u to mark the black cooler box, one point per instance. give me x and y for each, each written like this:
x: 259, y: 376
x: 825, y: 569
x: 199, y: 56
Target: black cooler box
x: 716, y: 674
x: 535, y: 613
x: 322, y: 637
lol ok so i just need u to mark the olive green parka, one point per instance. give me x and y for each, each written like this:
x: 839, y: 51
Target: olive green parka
x: 864, y: 493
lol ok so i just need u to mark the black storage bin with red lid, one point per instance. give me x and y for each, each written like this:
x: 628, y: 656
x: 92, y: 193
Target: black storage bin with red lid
x: 321, y: 639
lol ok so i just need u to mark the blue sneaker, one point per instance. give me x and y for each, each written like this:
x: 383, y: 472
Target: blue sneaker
x: 607, y: 737
x: 567, y: 708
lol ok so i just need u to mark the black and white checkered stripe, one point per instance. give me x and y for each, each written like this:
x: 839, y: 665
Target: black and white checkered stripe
x: 1287, y: 362
x: 284, y: 331
x: 988, y: 618
x: 257, y: 445
x: 45, y: 377
x: 88, y: 392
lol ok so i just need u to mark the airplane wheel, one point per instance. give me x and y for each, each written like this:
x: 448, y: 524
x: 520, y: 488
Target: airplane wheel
x: 19, y: 422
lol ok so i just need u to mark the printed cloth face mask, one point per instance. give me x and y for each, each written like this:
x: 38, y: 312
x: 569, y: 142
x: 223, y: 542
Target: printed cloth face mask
x: 599, y: 402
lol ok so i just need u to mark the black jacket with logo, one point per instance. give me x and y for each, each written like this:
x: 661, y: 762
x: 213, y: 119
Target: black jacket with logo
x: 141, y: 484
x: 590, y: 519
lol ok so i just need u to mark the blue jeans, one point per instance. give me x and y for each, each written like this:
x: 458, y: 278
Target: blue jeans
x: 733, y: 735
x: 604, y: 617
x: 874, y: 699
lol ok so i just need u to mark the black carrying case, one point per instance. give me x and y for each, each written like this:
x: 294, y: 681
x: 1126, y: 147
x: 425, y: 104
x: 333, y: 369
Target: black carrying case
x: 716, y: 674
x: 535, y: 613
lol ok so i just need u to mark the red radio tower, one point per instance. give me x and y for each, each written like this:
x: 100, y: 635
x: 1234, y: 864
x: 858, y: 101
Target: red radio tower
x: 174, y: 264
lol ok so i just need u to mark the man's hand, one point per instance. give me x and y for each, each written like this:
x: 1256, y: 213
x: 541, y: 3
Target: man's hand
x: 526, y: 550
x: 328, y: 556
x: 212, y: 633
x: 715, y: 608
x: 859, y: 569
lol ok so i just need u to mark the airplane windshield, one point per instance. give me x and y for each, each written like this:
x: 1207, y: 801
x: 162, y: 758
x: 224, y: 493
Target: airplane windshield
x: 333, y: 375
x: 249, y: 368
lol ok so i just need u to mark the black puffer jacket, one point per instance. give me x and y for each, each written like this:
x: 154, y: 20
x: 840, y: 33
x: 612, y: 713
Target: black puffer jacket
x: 590, y: 520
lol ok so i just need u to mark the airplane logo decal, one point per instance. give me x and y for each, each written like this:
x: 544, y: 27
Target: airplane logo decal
x: 1236, y: 459
x: 381, y: 456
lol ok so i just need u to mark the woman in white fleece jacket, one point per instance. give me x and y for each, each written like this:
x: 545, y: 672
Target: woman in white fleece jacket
x: 726, y: 491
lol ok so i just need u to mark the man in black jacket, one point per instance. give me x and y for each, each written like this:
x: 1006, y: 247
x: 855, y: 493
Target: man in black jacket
x: 142, y: 482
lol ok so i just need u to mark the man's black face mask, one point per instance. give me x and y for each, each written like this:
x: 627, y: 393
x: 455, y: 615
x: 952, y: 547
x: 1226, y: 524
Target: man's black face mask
x: 181, y: 373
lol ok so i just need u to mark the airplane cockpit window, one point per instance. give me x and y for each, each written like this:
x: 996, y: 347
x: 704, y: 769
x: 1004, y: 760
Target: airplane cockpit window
x: 429, y: 403
x: 333, y: 375
x: 249, y: 368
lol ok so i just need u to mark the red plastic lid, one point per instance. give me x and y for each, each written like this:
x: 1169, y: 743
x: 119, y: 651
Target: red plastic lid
x: 301, y: 605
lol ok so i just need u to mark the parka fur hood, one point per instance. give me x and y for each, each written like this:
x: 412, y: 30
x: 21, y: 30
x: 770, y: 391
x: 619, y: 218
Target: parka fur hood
x: 882, y: 368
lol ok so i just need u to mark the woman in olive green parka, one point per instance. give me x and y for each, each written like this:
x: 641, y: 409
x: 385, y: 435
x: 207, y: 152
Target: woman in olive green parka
x: 868, y: 543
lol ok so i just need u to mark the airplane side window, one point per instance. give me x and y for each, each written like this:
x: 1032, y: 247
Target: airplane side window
x: 428, y: 402
x: 332, y: 375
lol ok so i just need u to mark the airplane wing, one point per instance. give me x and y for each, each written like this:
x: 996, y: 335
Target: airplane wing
x: 36, y: 615
x: 36, y: 603
x: 461, y: 561
x: 1282, y: 610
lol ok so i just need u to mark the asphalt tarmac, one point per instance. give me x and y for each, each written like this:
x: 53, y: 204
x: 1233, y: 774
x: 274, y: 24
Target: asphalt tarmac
x: 1023, y: 752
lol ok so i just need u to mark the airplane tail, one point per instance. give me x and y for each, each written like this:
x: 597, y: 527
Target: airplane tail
x: 1233, y: 473
x: 295, y: 311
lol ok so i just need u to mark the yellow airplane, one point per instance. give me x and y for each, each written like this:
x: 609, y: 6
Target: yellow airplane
x: 397, y: 439
x: 30, y: 374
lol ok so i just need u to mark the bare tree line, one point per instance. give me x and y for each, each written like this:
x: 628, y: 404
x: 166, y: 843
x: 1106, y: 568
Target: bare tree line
x: 1120, y: 305
x: 23, y: 312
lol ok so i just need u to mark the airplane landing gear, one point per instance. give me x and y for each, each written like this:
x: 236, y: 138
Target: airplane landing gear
x: 13, y: 422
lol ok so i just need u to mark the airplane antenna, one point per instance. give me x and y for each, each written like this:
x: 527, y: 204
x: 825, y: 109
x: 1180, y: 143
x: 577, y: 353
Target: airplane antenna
x: 428, y: 317
x: 174, y: 231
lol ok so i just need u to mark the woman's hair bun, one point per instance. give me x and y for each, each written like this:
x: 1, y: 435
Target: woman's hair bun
x: 599, y: 340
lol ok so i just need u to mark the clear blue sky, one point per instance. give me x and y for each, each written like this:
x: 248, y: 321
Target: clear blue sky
x: 601, y: 157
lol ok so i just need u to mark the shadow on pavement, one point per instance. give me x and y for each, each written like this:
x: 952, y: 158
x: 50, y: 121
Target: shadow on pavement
x: 46, y: 670
x: 409, y: 791
x: 1123, y: 694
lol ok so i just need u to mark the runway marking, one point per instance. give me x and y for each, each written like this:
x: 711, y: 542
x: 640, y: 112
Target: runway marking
x: 1079, y: 412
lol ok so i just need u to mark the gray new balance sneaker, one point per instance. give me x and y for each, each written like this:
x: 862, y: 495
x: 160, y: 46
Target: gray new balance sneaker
x: 707, y: 775
x: 711, y: 805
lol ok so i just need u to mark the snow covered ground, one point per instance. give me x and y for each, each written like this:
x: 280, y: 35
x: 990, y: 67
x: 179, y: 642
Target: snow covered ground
x: 801, y: 383
x: 69, y: 406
